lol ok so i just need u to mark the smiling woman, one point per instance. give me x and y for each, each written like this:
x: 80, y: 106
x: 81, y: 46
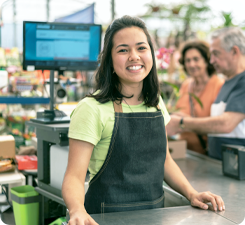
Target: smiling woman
x: 132, y: 59
x: 204, y: 83
x: 128, y: 52
x: 123, y: 145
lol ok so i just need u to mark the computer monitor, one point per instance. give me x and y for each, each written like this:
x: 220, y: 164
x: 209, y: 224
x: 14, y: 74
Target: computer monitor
x: 60, y: 46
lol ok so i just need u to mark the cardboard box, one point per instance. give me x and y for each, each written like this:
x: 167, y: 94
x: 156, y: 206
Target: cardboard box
x: 26, y: 162
x: 177, y: 148
x: 7, y: 146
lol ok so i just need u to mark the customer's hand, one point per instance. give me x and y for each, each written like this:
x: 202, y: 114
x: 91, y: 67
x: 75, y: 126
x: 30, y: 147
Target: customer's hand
x: 173, y: 127
x: 199, y: 200
x: 81, y: 218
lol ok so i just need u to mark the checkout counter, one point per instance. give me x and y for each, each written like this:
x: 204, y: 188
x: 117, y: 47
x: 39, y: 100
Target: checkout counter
x: 204, y: 174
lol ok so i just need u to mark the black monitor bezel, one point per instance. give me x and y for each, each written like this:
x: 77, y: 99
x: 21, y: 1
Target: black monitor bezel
x: 60, y: 68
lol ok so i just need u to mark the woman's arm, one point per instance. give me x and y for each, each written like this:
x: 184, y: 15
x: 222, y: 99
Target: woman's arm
x: 176, y: 180
x: 73, y: 185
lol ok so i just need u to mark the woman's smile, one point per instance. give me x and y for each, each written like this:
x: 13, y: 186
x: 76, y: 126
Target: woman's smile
x: 134, y: 68
x: 131, y: 55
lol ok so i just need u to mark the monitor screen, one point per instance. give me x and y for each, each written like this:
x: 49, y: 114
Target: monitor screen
x: 60, y: 46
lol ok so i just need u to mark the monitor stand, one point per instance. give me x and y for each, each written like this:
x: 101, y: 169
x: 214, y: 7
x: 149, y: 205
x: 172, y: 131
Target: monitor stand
x: 51, y: 116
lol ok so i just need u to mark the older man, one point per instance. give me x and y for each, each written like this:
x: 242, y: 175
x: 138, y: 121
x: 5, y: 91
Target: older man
x: 226, y: 125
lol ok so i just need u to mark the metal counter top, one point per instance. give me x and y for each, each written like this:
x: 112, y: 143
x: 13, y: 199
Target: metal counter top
x: 184, y: 215
x: 204, y: 174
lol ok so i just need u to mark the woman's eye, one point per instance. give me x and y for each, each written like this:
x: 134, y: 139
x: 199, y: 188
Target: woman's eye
x: 122, y: 50
x: 142, y: 48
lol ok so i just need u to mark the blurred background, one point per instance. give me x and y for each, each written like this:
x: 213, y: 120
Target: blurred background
x: 24, y: 94
x: 163, y: 18
x: 170, y: 24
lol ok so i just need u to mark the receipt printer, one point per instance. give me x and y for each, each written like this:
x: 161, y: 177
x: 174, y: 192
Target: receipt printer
x: 233, y: 163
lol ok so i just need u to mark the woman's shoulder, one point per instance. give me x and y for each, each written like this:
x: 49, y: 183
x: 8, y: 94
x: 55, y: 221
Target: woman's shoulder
x: 164, y: 111
x: 87, y: 102
x: 215, y: 80
x: 91, y: 105
x: 186, y: 83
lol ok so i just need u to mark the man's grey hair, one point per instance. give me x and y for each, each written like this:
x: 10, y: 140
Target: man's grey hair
x: 230, y: 37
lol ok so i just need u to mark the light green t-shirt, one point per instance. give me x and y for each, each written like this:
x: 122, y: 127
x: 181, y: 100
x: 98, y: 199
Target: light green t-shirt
x: 93, y: 122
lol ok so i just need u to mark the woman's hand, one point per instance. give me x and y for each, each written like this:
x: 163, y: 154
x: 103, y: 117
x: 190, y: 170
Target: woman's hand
x: 81, y: 218
x: 199, y: 200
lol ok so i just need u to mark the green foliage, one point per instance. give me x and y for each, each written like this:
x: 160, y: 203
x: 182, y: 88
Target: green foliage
x: 174, y: 86
x: 227, y: 16
x: 187, y: 12
x: 196, y: 98
x: 174, y: 96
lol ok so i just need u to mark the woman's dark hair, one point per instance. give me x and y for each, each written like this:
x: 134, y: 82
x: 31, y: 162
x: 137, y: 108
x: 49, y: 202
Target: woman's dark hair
x: 203, y: 48
x: 108, y: 83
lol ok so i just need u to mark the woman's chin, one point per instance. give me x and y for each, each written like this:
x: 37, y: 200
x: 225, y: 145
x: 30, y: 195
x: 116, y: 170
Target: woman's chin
x: 196, y: 75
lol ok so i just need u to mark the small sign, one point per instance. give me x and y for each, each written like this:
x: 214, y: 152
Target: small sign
x: 30, y: 68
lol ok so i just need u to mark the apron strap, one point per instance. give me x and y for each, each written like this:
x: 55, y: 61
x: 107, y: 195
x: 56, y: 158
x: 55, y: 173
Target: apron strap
x: 117, y: 106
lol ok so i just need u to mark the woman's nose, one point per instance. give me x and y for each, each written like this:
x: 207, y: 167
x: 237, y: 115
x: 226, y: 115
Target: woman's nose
x: 134, y: 56
x: 191, y: 63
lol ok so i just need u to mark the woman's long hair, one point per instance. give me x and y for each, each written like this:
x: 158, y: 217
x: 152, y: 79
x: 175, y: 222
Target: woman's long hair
x: 108, y: 83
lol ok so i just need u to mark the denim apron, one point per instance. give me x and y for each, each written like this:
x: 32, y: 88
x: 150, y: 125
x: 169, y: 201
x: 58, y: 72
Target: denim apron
x: 133, y: 171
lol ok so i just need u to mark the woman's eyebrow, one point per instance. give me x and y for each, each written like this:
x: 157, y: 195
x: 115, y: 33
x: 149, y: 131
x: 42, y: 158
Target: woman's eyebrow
x: 140, y: 43
x: 124, y: 45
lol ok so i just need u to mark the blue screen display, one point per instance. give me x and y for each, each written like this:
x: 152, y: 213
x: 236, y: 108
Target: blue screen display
x: 61, y: 46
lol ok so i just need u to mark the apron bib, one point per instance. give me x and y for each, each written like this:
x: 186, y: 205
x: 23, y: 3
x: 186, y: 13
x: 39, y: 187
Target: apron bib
x: 132, y: 174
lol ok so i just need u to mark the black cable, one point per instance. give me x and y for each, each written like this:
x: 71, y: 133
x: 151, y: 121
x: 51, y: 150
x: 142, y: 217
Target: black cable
x: 6, y: 196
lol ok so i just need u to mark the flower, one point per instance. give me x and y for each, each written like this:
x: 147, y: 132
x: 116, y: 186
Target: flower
x: 163, y: 57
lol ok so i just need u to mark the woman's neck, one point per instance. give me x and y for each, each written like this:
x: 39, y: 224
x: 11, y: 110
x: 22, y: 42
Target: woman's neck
x: 199, y: 84
x: 136, y: 91
x: 199, y: 81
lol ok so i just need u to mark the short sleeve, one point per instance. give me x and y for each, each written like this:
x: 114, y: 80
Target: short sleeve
x: 236, y: 98
x: 86, y: 122
x: 164, y: 111
x: 182, y: 103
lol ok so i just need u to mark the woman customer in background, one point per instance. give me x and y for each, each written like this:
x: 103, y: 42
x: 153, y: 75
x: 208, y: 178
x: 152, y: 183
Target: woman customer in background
x: 203, y: 83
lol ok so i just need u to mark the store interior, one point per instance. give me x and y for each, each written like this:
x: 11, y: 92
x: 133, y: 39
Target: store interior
x: 44, y: 76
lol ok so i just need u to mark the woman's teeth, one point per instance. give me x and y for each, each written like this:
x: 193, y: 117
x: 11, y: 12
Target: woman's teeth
x: 134, y: 67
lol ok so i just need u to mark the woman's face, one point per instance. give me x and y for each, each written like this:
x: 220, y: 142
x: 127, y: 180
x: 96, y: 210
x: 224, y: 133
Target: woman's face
x: 194, y: 63
x: 131, y: 56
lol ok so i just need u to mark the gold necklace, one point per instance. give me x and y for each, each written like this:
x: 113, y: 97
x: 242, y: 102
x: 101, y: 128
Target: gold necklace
x: 197, y: 89
x: 131, y: 108
x: 128, y: 105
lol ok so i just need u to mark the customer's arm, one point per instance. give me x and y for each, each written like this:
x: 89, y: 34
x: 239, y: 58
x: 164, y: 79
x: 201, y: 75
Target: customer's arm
x: 224, y: 123
x: 73, y: 185
x: 176, y: 180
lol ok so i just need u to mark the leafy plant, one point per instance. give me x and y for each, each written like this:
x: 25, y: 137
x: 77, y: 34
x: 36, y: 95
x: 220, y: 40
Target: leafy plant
x: 174, y: 96
x: 227, y: 16
x: 187, y: 12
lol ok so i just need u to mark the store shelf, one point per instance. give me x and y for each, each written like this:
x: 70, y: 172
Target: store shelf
x: 24, y: 100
